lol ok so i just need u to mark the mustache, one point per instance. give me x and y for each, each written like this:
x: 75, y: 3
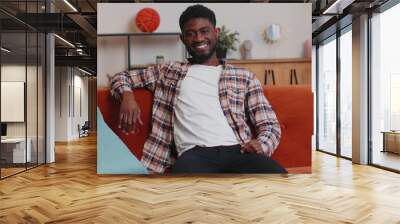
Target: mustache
x: 200, y: 58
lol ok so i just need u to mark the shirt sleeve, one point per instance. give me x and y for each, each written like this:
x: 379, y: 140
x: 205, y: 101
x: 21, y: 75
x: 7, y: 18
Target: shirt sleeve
x: 128, y: 80
x: 262, y: 116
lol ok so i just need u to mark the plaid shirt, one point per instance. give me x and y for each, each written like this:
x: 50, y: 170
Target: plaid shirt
x: 241, y: 96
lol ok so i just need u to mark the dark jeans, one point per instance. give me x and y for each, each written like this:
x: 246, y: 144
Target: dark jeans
x: 224, y: 159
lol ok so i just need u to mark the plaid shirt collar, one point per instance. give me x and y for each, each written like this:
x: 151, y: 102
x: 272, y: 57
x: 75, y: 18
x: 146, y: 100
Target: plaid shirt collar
x: 189, y: 62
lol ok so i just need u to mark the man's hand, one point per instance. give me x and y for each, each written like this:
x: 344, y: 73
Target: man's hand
x: 254, y: 146
x: 129, y: 114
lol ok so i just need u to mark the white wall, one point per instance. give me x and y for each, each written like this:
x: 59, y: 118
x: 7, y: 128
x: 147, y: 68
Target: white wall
x: 80, y: 83
x: 68, y: 83
x: 249, y: 19
x: 62, y: 81
x: 17, y: 73
x: 14, y: 73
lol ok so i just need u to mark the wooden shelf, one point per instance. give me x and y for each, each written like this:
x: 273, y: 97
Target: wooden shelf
x: 137, y: 34
x: 279, y: 71
x: 128, y: 38
x: 264, y: 61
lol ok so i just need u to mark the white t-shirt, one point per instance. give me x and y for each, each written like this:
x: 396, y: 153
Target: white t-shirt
x: 199, y: 119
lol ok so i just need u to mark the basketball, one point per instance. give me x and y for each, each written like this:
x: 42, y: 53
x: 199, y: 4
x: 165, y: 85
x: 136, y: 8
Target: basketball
x: 147, y: 20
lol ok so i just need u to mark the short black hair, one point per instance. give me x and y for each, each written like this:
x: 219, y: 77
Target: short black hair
x: 196, y: 11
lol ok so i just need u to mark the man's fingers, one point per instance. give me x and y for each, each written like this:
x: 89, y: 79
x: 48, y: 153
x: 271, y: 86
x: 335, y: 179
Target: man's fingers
x: 121, y: 117
x: 269, y: 153
x: 129, y: 128
x: 125, y: 118
x: 257, y: 147
x: 128, y: 111
x: 135, y: 122
x: 130, y: 118
x: 139, y: 119
x: 253, y: 147
x: 247, y: 148
x: 131, y: 123
x: 123, y: 124
x: 134, y: 127
x: 128, y: 123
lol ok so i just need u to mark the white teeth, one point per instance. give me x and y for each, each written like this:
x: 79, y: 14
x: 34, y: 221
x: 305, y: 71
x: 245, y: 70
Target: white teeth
x: 201, y: 46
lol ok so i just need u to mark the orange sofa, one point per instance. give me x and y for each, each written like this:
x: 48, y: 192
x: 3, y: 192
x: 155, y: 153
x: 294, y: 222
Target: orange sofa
x: 293, y: 106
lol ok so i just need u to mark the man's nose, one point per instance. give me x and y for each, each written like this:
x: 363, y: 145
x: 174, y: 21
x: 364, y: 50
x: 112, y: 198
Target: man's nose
x: 198, y: 37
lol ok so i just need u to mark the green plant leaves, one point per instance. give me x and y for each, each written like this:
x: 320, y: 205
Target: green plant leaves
x: 227, y: 39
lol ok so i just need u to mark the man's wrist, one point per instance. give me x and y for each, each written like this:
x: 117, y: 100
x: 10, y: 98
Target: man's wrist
x: 127, y: 94
x: 266, y: 149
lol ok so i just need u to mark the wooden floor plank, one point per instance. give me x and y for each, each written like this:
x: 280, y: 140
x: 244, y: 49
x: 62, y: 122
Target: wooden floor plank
x: 70, y: 191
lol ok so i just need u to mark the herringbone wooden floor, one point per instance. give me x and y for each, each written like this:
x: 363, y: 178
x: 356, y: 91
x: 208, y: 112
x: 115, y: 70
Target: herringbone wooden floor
x: 70, y: 191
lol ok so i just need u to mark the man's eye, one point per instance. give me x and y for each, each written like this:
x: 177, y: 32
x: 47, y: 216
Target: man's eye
x: 205, y: 31
x: 189, y: 34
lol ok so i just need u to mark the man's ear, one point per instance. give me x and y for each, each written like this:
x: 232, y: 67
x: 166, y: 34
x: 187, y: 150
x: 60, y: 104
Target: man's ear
x: 217, y: 31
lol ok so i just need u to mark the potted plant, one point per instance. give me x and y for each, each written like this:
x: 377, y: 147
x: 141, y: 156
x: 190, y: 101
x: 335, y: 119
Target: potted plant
x: 226, y: 41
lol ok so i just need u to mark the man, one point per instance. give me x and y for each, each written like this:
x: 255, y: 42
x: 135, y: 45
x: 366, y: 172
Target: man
x: 202, y: 109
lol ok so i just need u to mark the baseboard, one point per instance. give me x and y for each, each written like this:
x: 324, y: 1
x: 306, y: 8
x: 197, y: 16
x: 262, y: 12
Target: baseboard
x: 299, y: 170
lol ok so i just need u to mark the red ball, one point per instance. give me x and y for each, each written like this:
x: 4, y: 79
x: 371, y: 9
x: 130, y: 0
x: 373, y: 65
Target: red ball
x: 147, y: 20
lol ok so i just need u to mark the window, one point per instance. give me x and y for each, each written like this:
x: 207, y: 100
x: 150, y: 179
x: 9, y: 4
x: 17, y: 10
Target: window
x: 385, y: 88
x: 22, y: 68
x: 327, y: 96
x: 346, y: 93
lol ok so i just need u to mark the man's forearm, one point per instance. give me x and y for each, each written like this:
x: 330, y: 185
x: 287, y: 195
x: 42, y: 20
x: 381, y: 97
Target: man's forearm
x: 128, y: 80
x: 270, y: 135
x: 262, y: 116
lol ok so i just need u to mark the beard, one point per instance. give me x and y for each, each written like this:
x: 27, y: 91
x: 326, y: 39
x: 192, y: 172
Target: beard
x: 200, y: 58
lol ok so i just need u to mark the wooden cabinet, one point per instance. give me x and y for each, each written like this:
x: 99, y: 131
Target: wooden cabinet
x: 391, y: 141
x: 281, y: 69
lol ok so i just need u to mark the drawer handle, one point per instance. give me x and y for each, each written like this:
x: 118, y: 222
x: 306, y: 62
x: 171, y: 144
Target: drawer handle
x: 293, y: 76
x: 269, y: 72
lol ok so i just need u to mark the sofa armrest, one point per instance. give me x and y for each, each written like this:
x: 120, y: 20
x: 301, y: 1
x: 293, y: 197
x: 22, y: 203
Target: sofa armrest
x: 293, y: 106
x: 109, y: 107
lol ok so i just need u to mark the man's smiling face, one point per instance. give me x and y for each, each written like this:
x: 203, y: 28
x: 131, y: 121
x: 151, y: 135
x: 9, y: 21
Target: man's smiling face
x: 200, y: 38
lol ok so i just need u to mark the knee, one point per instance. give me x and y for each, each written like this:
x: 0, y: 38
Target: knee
x: 276, y: 167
